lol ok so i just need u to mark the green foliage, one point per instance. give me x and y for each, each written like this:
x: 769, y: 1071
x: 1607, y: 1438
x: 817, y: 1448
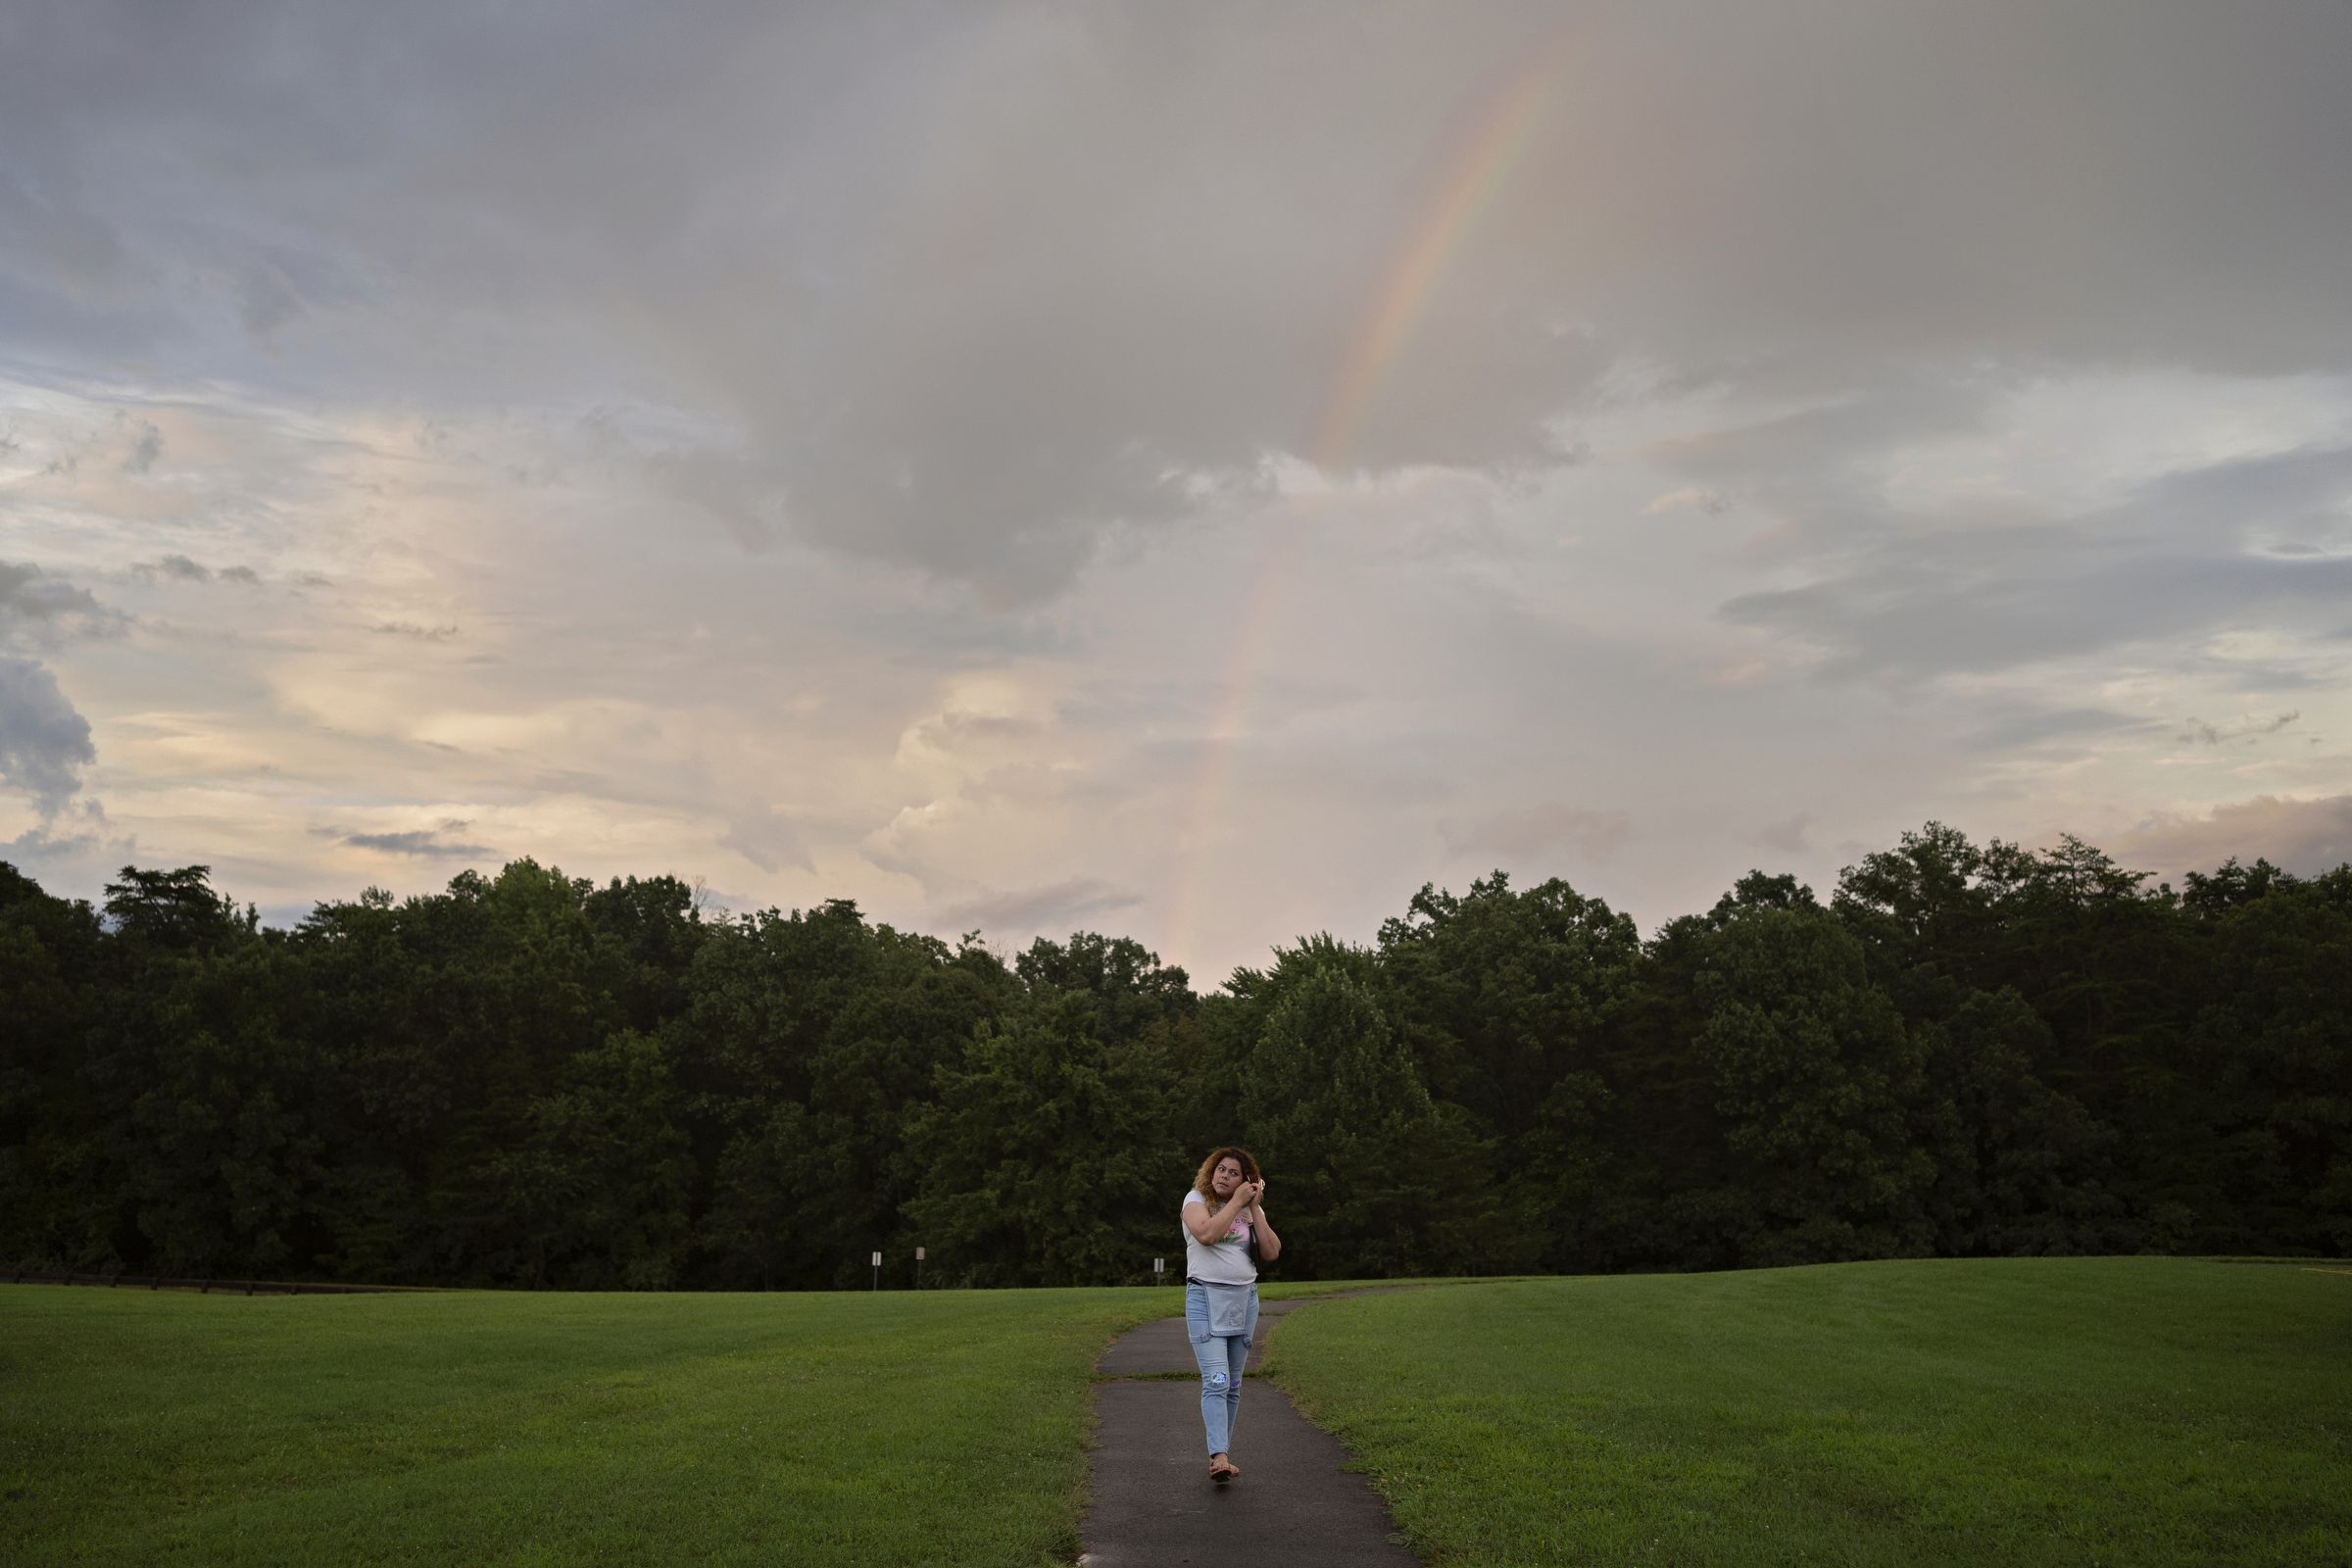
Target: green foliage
x: 1814, y: 1073
x: 2279, y: 1111
x: 1508, y: 990
x: 1509, y: 999
x: 596, y: 1187
x: 171, y: 911
x: 1046, y: 1155
x: 2020, y: 1168
x: 1130, y: 990
x: 527, y: 1079
x: 59, y: 1186
x: 1326, y: 1062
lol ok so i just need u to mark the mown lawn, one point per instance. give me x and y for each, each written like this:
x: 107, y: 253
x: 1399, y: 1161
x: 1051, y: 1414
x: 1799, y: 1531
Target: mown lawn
x: 2116, y: 1410
x: 496, y: 1428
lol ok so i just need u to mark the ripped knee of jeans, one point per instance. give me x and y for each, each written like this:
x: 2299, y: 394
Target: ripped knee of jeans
x: 1215, y: 1382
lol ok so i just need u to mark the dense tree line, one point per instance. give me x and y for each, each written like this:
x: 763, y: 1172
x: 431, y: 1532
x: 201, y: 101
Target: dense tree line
x: 532, y: 1080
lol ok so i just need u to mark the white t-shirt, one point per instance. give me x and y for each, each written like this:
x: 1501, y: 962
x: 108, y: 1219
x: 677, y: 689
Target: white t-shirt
x: 1224, y: 1262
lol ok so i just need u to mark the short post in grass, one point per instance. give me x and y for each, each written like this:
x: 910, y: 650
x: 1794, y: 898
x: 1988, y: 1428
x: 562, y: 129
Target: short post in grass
x: 877, y: 1271
x: 1159, y: 1266
x: 918, y: 1268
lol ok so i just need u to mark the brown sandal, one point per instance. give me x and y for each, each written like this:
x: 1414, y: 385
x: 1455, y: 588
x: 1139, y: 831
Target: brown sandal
x: 1223, y: 1470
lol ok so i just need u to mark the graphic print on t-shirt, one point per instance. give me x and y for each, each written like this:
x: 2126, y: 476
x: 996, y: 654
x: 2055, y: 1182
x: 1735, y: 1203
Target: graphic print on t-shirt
x: 1225, y: 1260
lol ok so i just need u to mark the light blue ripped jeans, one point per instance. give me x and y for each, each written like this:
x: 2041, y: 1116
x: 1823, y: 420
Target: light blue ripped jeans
x: 1220, y: 1358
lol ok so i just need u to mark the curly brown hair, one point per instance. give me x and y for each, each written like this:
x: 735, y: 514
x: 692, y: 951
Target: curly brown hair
x: 1208, y: 1168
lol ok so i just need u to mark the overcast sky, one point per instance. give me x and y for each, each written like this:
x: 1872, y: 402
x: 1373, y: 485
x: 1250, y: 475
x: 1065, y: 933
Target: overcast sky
x: 1192, y: 471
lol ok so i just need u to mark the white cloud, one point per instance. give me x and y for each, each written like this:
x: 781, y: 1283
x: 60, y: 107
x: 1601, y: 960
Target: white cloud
x: 2305, y: 836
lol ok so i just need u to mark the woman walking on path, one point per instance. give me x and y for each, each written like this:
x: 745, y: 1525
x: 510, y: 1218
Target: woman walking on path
x: 1224, y: 1216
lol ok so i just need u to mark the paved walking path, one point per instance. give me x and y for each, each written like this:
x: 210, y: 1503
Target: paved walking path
x: 1154, y: 1505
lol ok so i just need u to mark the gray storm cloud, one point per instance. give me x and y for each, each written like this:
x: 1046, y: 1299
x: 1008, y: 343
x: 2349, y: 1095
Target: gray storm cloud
x: 44, y: 744
x: 427, y: 843
x: 974, y: 289
x: 1055, y: 906
x: 40, y: 606
x: 44, y: 741
x: 861, y: 446
x: 2169, y: 563
x: 1532, y: 831
x: 768, y: 839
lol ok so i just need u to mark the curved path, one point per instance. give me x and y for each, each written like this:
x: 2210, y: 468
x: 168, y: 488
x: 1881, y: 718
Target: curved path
x: 1154, y: 1505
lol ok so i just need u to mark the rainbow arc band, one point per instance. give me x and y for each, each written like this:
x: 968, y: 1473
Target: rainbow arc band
x: 1475, y: 175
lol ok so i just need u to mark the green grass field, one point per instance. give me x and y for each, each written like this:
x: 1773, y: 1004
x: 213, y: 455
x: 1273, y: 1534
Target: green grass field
x: 2119, y: 1410
x: 2076, y: 1412
x: 494, y: 1428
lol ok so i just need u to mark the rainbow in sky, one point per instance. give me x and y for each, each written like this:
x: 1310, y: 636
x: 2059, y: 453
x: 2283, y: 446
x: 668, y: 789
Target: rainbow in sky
x: 1475, y: 175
